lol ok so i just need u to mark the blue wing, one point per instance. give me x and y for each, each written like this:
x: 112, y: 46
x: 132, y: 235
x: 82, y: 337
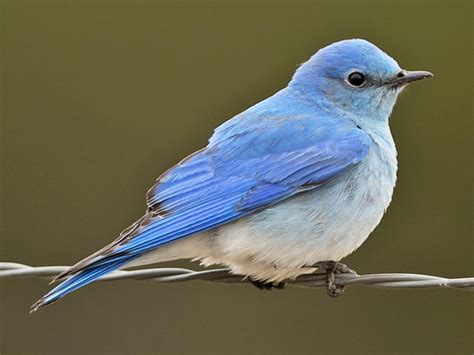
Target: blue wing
x: 254, y: 160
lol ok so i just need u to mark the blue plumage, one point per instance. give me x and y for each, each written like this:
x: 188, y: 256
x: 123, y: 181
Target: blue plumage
x: 240, y: 171
x: 286, y: 145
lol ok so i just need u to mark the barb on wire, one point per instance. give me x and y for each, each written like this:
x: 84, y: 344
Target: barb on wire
x: 317, y: 279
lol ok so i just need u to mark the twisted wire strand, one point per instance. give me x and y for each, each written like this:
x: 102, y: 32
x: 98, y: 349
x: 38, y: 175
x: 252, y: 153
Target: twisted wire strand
x: 317, y: 279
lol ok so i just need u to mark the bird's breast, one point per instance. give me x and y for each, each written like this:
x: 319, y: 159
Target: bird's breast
x: 327, y: 223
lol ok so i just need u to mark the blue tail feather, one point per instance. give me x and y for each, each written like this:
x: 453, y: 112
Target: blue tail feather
x: 80, y: 279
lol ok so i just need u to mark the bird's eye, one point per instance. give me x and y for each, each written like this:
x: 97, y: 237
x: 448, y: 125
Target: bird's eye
x: 356, y: 79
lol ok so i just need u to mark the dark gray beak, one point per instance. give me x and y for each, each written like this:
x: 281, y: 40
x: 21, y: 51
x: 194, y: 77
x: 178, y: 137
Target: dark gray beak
x: 406, y: 77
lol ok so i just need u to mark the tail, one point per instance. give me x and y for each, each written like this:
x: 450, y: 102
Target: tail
x: 82, y: 278
x: 90, y: 269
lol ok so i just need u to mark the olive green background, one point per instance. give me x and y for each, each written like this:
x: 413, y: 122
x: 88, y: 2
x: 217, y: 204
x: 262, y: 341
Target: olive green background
x: 100, y: 97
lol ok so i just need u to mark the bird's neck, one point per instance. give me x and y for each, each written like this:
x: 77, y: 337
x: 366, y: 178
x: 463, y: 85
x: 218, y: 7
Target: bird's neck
x: 376, y: 113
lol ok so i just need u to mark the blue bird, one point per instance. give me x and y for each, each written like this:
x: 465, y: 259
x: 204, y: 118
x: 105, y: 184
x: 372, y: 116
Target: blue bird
x: 300, y: 179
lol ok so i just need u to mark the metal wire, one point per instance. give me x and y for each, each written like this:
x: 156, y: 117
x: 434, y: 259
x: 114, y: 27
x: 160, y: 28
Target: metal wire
x: 317, y: 279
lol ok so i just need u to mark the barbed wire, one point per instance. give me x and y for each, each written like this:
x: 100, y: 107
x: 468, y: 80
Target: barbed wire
x: 317, y: 279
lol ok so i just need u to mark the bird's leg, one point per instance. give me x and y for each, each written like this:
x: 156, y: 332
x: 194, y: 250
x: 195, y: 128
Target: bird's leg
x: 262, y: 285
x: 339, y: 268
x: 332, y: 268
x: 279, y: 285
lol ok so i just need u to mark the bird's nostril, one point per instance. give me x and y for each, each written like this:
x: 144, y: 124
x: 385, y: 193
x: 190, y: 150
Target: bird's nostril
x: 401, y: 74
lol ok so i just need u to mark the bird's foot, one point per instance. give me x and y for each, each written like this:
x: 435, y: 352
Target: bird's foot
x: 336, y: 266
x: 279, y: 285
x: 263, y: 285
x: 332, y: 268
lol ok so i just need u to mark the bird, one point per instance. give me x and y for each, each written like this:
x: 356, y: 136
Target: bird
x: 297, y: 181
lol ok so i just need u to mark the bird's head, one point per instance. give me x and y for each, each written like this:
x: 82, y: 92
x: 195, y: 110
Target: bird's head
x: 354, y: 76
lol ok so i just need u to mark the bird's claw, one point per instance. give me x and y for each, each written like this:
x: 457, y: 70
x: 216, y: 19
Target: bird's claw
x: 262, y: 285
x: 332, y: 289
x: 336, y: 266
x: 332, y: 268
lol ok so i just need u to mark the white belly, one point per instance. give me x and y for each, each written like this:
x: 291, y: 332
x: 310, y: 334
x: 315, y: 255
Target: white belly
x: 275, y: 244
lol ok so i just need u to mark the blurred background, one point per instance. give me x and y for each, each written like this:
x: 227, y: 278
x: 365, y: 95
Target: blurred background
x: 100, y: 97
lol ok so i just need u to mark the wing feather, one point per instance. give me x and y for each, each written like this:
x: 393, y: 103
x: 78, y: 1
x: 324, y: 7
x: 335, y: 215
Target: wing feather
x: 237, y: 174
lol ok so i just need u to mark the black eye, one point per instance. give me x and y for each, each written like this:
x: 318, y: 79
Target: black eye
x: 356, y: 79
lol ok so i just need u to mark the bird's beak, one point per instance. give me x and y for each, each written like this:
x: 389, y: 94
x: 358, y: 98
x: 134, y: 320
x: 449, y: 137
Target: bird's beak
x: 405, y: 77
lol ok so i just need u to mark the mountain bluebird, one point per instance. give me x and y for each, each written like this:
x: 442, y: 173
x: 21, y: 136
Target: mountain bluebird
x: 300, y: 179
